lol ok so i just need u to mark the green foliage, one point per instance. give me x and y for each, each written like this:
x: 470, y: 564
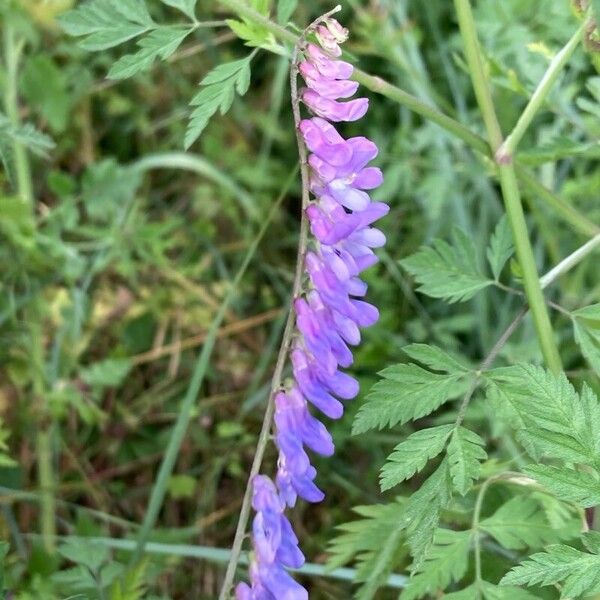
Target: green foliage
x: 187, y: 7
x: 553, y: 418
x: 218, y: 91
x: 570, y: 485
x: 44, y: 86
x: 26, y: 135
x: 255, y: 34
x: 132, y: 586
x: 465, y: 453
x: 446, y: 562
x: 423, y: 511
x: 285, y: 9
x: 501, y: 247
x: 411, y: 455
x: 577, y: 571
x: 409, y: 392
x: 107, y: 23
x: 5, y: 459
x: 160, y: 43
x: 522, y: 522
x: 448, y: 271
x: 586, y: 325
x: 376, y: 542
x: 106, y: 373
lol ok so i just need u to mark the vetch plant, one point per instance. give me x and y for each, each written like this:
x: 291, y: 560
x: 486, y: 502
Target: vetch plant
x: 327, y: 309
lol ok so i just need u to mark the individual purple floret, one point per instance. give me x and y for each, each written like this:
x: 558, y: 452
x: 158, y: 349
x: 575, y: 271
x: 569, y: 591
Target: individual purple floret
x: 329, y: 312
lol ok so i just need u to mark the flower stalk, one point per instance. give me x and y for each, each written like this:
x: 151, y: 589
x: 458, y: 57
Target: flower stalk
x: 328, y: 310
x: 510, y: 189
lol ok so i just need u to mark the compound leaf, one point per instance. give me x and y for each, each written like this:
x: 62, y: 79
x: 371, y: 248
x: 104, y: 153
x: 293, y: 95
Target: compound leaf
x: 411, y: 455
x: 448, y: 271
x: 465, y: 453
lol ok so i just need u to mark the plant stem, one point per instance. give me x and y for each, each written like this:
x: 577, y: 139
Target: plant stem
x: 380, y: 86
x: 43, y: 435
x: 43, y: 449
x: 570, y: 261
x: 286, y: 341
x: 475, y: 528
x: 185, y: 411
x: 12, y: 54
x: 487, y: 363
x: 372, y: 82
x: 510, y: 189
x: 557, y: 64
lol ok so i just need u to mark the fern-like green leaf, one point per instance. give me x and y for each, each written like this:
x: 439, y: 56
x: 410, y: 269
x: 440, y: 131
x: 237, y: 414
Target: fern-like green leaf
x: 579, y: 572
x: 435, y: 358
x: 422, y: 513
x: 411, y: 455
x: 132, y: 586
x: 501, y: 247
x: 106, y: 23
x: 448, y: 271
x: 446, y: 562
x: 586, y: 326
x: 376, y: 542
x: 218, y: 91
x: 158, y: 44
x: 522, y: 522
x: 187, y: 7
x: 554, y: 419
x: 568, y: 484
x: 465, y: 453
x: 408, y: 392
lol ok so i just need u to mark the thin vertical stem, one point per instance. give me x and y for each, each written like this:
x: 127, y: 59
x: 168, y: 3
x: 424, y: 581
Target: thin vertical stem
x: 510, y: 189
x: 12, y: 54
x: 540, y: 94
x: 43, y: 437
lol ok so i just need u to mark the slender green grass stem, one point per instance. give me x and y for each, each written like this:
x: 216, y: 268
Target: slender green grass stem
x: 379, y: 86
x: 12, y: 54
x: 570, y: 261
x: 159, y: 488
x: 510, y: 189
x: 222, y: 555
x: 540, y: 94
x: 43, y: 449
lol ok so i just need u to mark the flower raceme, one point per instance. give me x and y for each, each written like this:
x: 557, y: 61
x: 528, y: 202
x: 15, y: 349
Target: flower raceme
x: 329, y: 313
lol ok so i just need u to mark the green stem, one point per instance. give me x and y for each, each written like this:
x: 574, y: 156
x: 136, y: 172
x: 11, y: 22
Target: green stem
x: 12, y: 54
x: 557, y: 64
x: 43, y: 449
x: 43, y: 438
x: 159, y: 489
x: 510, y: 189
x: 371, y: 82
x: 380, y: 86
x: 475, y: 528
x: 570, y: 261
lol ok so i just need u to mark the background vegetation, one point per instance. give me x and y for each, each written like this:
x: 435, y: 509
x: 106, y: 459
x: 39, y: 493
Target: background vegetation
x: 120, y: 252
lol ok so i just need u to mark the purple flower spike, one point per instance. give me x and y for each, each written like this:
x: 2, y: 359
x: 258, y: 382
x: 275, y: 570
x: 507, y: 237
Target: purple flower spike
x: 329, y: 311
